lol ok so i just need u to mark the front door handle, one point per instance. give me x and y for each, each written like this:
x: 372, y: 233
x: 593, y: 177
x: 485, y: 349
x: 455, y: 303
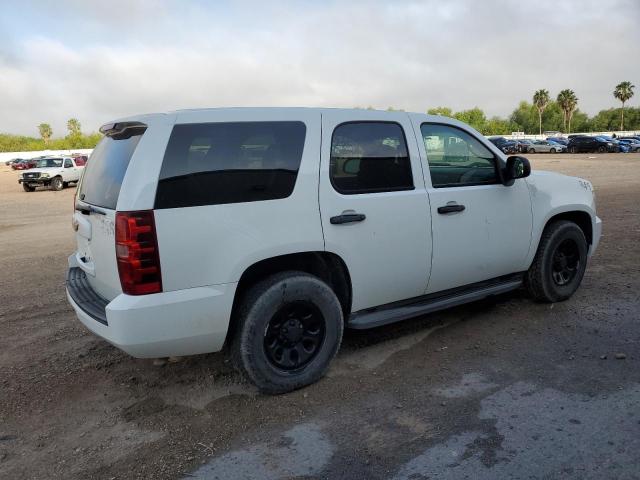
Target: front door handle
x: 347, y: 217
x: 450, y: 209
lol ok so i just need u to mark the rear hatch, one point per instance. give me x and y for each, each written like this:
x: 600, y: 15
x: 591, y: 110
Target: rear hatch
x: 95, y: 206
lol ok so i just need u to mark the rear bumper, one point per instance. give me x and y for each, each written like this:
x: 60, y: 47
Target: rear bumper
x: 181, y: 322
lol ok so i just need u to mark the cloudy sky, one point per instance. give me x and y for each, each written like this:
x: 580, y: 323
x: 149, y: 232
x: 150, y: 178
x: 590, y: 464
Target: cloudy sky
x: 99, y: 60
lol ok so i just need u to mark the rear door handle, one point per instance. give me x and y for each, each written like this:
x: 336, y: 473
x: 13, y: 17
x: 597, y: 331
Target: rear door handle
x: 347, y: 217
x: 450, y: 209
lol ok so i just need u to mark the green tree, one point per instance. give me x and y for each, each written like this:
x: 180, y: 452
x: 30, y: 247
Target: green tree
x: 568, y: 102
x: 498, y: 126
x: 73, y: 125
x: 541, y: 100
x: 525, y: 118
x: 45, y: 132
x: 623, y: 92
x: 474, y: 117
x: 442, y: 111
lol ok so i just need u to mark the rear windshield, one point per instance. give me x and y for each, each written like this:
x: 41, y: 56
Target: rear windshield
x: 218, y: 163
x: 104, y: 173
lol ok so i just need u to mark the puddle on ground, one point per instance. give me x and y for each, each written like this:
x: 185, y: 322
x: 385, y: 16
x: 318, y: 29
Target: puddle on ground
x: 301, y: 451
x: 541, y: 434
x: 470, y: 384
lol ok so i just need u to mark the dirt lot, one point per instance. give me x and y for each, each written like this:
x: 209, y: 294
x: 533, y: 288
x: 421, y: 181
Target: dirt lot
x: 500, y: 389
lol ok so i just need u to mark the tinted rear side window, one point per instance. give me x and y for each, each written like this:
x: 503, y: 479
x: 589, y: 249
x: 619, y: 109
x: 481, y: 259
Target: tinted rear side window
x: 103, y: 175
x: 218, y: 163
x: 369, y: 157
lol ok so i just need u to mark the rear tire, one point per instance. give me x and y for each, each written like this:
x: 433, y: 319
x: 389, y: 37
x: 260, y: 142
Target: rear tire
x: 28, y: 188
x: 289, y: 327
x: 57, y: 184
x: 559, y: 264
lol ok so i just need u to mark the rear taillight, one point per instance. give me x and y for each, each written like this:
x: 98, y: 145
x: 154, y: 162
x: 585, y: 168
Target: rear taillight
x: 137, y: 253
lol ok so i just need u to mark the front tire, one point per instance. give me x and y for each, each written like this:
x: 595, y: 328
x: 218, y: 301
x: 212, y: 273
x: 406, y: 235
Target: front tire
x: 559, y: 264
x: 602, y: 149
x: 532, y: 150
x: 553, y: 150
x: 57, y: 184
x: 28, y: 188
x: 573, y: 150
x: 289, y: 328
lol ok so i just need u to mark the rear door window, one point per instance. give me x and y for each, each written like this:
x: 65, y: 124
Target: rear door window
x: 234, y: 162
x: 369, y: 157
x: 103, y: 175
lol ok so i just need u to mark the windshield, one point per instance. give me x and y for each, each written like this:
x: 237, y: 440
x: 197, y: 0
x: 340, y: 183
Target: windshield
x: 49, y: 162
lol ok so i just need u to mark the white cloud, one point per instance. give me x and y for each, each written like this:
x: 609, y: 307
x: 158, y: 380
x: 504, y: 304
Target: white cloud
x: 411, y: 55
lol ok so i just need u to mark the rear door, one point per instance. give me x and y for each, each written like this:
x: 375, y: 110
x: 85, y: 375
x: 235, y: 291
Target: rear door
x: 96, y: 202
x: 374, y: 208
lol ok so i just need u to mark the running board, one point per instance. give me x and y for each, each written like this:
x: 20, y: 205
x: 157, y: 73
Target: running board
x: 396, y: 312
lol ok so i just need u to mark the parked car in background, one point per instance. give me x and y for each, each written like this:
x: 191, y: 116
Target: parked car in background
x: 56, y: 172
x: 271, y: 230
x: 582, y: 143
x: 24, y: 164
x: 560, y: 140
x: 505, y: 146
x: 615, y: 142
x: 523, y: 144
x: 12, y: 161
x: 80, y: 159
x: 632, y: 137
x: 544, y: 146
x: 631, y: 143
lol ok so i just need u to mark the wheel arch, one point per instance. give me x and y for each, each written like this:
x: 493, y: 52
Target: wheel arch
x: 327, y: 266
x: 581, y: 217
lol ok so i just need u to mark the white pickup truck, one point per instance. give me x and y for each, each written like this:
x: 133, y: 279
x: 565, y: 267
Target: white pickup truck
x: 56, y: 173
x: 270, y: 230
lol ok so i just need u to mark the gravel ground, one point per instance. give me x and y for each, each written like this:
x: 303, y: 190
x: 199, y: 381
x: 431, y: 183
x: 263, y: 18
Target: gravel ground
x: 496, y: 389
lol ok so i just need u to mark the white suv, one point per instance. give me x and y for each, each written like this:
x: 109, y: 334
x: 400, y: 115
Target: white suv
x: 271, y: 230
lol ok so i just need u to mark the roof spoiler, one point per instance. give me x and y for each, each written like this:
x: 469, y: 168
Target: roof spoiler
x: 122, y: 130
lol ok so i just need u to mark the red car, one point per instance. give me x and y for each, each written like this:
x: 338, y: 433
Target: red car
x: 23, y: 165
x: 81, y: 160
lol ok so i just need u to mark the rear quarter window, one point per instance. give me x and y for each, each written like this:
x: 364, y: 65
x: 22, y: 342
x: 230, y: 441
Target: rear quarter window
x: 235, y: 162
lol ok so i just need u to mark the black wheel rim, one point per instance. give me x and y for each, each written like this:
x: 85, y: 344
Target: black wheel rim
x: 294, y: 336
x: 566, y: 262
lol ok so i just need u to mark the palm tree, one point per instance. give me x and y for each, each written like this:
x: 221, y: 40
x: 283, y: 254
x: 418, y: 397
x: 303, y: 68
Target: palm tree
x: 541, y: 100
x: 73, y: 125
x: 568, y: 102
x: 45, y: 131
x: 623, y: 92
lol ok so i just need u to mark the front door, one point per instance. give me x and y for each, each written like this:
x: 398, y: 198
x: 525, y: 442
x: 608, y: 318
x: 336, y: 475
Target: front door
x: 375, y: 211
x: 481, y: 228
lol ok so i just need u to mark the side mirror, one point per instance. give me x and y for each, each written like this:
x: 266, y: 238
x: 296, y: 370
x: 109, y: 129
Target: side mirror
x: 517, y: 167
